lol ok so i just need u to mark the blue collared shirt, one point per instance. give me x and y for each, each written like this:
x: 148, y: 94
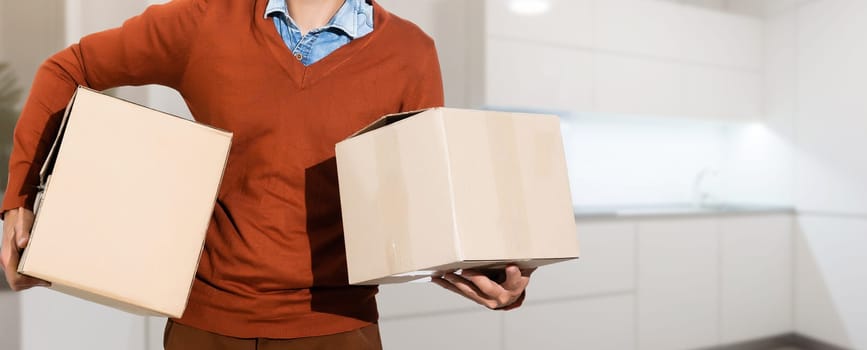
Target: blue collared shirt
x: 353, y: 20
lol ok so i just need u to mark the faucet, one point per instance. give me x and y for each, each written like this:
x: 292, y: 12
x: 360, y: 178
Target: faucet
x: 701, y: 196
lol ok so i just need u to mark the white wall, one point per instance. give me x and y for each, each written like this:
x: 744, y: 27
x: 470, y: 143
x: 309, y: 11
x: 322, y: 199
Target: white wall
x: 831, y: 107
x: 830, y: 283
x: 818, y: 77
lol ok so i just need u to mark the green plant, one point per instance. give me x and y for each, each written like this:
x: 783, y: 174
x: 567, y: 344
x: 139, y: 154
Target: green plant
x: 9, y: 96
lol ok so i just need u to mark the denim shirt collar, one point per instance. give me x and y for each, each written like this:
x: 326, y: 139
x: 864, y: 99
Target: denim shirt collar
x: 353, y: 18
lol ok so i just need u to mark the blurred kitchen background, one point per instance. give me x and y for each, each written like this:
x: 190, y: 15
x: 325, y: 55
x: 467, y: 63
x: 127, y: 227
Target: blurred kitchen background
x: 717, y: 162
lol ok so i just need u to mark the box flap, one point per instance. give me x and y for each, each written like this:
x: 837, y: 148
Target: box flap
x: 48, y: 165
x: 387, y: 120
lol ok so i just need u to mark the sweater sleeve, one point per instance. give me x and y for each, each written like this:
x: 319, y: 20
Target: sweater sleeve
x: 151, y: 48
x: 426, y: 89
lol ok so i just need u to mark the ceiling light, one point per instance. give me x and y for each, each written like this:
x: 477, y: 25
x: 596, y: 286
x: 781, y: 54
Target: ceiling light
x: 529, y: 7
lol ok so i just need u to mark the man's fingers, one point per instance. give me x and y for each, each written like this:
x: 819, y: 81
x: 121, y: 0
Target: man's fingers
x: 20, y: 282
x: 442, y: 282
x: 483, y: 283
x: 8, y: 254
x: 15, y: 237
x: 5, y: 255
x: 446, y: 284
x: 466, y: 288
x: 10, y: 266
x: 515, y: 281
x: 22, y: 240
x: 463, y: 285
x: 23, y: 225
x: 27, y: 284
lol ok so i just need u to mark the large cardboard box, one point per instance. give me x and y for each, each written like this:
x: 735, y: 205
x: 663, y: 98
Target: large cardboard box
x: 128, y: 196
x: 432, y: 191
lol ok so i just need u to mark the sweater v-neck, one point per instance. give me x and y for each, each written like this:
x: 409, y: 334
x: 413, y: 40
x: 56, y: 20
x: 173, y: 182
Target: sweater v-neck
x: 305, y: 76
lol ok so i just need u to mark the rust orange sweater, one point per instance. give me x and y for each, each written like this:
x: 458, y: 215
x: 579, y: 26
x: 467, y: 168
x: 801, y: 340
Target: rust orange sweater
x: 273, y: 264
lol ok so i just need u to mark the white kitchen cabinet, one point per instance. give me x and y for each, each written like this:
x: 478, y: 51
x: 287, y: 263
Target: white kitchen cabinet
x: 639, y: 27
x: 721, y: 93
x: 721, y: 39
x: 611, y: 56
x: 756, y: 267
x: 599, y: 323
x: 458, y: 331
x: 683, y: 33
x: 678, y: 290
x: 401, y: 300
x: 627, y: 84
x: 528, y: 75
x: 607, y: 264
x: 567, y: 22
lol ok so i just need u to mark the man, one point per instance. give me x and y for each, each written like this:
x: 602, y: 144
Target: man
x: 290, y: 79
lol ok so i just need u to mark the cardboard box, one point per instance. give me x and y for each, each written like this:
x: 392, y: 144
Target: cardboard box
x: 128, y: 196
x: 432, y: 191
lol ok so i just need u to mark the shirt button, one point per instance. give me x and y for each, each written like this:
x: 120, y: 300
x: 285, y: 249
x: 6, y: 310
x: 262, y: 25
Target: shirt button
x: 299, y: 56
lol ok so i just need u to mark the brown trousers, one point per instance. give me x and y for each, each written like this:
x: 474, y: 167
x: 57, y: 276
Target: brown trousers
x: 181, y: 337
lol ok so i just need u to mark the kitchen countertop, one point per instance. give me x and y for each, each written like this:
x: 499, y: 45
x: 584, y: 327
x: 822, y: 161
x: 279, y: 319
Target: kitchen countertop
x: 676, y: 210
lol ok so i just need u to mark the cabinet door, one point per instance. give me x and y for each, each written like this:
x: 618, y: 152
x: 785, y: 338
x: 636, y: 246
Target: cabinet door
x: 471, y: 330
x: 627, y: 84
x: 678, y: 289
x: 721, y: 39
x: 561, y: 22
x: 606, y: 265
x: 756, y: 277
x: 412, y: 299
x: 535, y: 76
x: 727, y: 94
x: 643, y: 28
x: 600, y: 323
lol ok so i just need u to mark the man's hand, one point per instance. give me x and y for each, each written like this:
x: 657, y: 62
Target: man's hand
x: 16, y: 235
x: 479, y: 287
